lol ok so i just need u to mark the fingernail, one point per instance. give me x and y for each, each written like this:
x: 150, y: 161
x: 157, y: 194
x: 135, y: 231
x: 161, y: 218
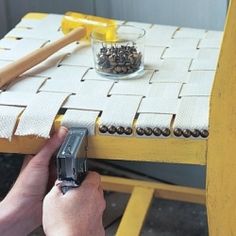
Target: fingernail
x: 58, y: 182
x: 62, y: 132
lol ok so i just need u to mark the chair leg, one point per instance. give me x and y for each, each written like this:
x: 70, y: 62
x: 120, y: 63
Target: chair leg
x: 221, y: 197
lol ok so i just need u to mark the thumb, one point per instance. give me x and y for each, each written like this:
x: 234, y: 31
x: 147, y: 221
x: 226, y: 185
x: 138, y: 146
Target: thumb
x: 55, y: 191
x: 45, y: 154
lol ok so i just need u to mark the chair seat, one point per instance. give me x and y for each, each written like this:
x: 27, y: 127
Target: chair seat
x: 167, y: 107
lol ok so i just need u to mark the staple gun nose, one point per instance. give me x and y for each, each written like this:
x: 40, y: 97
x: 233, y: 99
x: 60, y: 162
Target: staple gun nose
x: 72, y: 159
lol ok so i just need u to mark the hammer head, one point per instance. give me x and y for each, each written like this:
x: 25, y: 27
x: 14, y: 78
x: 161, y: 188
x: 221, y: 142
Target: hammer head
x: 105, y: 27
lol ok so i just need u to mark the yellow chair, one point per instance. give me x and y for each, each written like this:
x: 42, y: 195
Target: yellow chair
x: 217, y: 153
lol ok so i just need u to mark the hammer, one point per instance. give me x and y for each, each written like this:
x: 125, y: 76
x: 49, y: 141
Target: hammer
x: 75, y: 25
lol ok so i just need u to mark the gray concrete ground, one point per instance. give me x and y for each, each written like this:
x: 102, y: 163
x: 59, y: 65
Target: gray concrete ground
x: 165, y: 218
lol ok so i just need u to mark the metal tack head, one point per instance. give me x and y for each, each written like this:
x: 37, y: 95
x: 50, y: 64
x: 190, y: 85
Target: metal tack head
x: 128, y: 131
x: 120, y: 130
x: 178, y: 132
x: 165, y: 132
x: 148, y: 131
x: 204, y: 133
x: 186, y: 133
x: 111, y: 129
x: 195, y: 133
x: 140, y: 131
x: 157, y: 131
x: 103, y: 129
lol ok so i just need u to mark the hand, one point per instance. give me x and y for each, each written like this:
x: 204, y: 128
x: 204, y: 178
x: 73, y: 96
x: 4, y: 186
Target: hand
x: 21, y: 210
x: 78, y: 212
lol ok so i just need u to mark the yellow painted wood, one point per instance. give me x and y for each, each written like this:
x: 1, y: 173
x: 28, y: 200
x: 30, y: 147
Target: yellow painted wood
x: 221, y: 160
x: 135, y: 212
x: 165, y: 191
x: 35, y: 16
x: 169, y: 150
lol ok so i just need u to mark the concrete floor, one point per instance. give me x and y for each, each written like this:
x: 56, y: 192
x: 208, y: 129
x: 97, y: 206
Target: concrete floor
x: 165, y: 218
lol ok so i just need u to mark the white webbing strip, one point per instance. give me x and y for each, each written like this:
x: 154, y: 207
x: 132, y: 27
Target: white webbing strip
x: 93, y: 75
x: 159, y: 105
x: 61, y: 86
x: 79, y: 118
x: 170, y: 76
x: 16, y: 98
x: 52, y: 22
x: 174, y: 64
x: 92, y: 87
x: 22, y: 48
x: 207, y: 59
x: 8, y: 119
x: 193, y: 113
x: 201, y: 77
x: 27, y: 84
x: 196, y: 90
x: 49, y: 22
x: 37, y: 33
x: 190, y: 33
x: 8, y: 43
x: 85, y: 102
x: 184, y: 43
x: 180, y: 53
x: 151, y: 120
x: 38, y: 117
x: 199, y: 84
x: 212, y: 34
x: 126, y: 87
x: 210, y: 43
x: 81, y: 56
x: 165, y: 28
x: 164, y: 90
x: 120, y: 110
x: 145, y: 26
x: 95, y: 88
x: 152, y: 57
x: 66, y: 73
x: 159, y: 35
x: 28, y: 23
x: 129, y: 89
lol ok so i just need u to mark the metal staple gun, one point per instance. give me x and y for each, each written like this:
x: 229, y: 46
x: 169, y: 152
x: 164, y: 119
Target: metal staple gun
x: 72, y: 159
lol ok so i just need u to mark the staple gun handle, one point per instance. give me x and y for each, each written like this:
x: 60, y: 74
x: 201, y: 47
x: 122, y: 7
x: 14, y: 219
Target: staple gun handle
x: 16, y: 68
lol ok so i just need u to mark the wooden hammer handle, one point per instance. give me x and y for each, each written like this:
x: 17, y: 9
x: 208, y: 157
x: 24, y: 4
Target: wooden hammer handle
x: 16, y: 68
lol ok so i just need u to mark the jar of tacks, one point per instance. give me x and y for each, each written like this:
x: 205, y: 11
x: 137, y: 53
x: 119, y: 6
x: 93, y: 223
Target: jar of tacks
x: 119, y: 54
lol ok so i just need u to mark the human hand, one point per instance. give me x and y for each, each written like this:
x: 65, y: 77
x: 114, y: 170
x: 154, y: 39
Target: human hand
x: 22, y: 207
x: 78, y: 212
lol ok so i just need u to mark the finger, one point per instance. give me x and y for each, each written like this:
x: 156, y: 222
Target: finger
x: 55, y: 191
x: 100, y: 190
x: 92, y: 178
x: 44, y: 156
x: 27, y: 159
x: 52, y: 174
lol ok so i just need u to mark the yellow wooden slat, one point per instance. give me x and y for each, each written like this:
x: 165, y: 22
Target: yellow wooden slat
x: 221, y: 160
x: 169, y: 150
x: 35, y: 16
x: 135, y: 212
x: 161, y: 190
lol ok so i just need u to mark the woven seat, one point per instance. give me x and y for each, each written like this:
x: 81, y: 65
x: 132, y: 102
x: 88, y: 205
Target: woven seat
x: 162, y: 116
x: 173, y: 94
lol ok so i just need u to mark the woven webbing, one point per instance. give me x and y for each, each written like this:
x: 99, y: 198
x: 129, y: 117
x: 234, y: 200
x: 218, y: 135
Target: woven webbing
x: 170, y: 99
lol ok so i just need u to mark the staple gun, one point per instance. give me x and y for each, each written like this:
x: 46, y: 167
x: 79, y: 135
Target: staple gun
x: 72, y: 159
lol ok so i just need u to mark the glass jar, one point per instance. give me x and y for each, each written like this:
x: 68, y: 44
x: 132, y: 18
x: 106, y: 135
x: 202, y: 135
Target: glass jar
x: 119, y: 54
